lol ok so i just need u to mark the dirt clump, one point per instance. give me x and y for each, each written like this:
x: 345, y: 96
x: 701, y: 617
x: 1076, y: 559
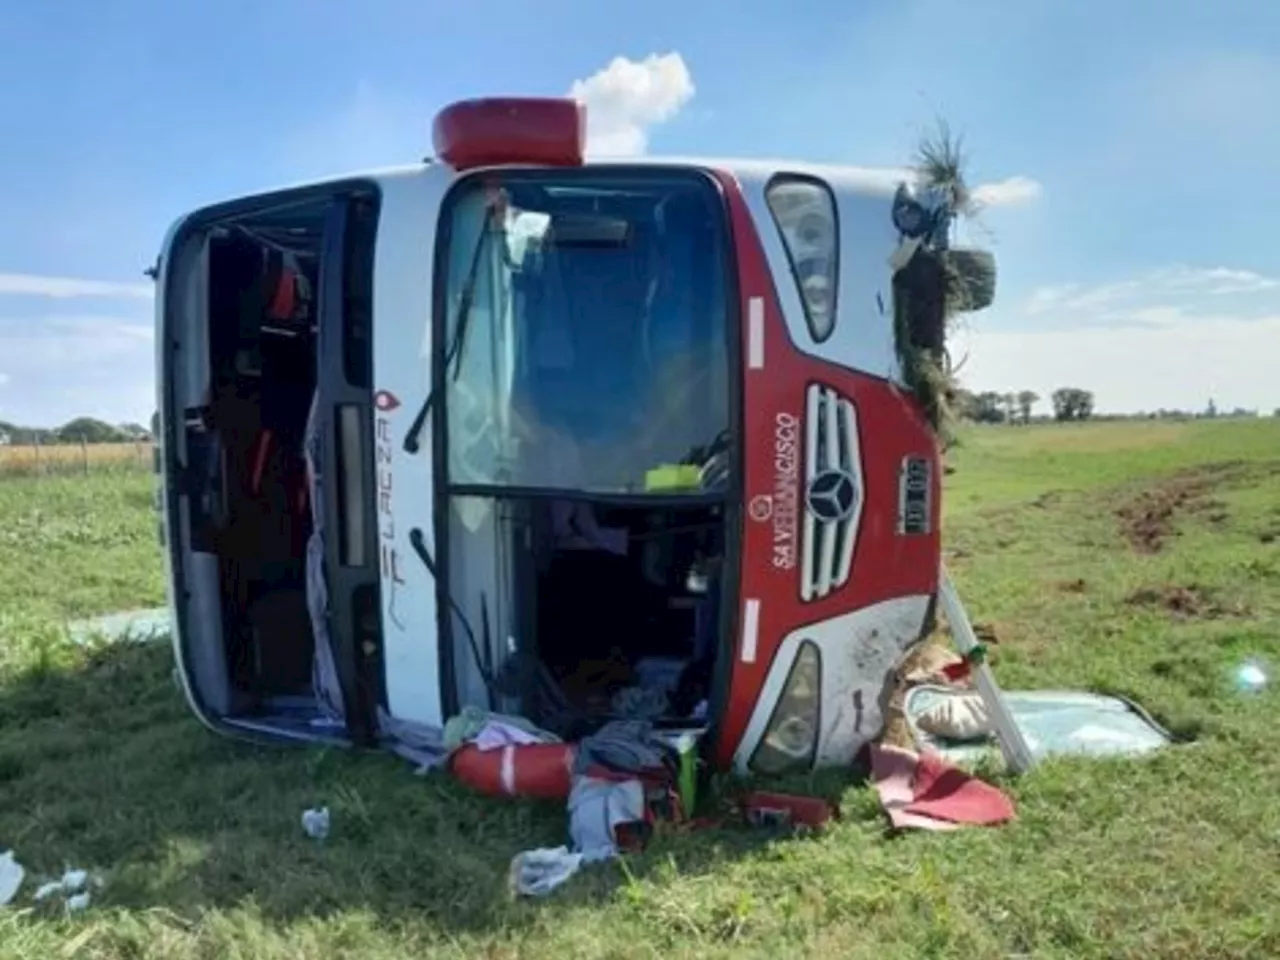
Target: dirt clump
x: 1215, y: 511
x: 1190, y: 602
x: 987, y: 633
x: 1148, y: 520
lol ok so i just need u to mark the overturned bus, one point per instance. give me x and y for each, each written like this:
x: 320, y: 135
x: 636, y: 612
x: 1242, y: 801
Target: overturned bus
x: 563, y: 439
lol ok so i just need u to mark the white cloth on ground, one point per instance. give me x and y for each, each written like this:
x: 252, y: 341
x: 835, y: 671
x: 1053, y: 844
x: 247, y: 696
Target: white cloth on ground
x: 596, y: 808
x: 11, y: 875
x: 535, y: 873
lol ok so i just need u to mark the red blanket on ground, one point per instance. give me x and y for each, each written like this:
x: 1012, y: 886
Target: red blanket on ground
x: 926, y: 792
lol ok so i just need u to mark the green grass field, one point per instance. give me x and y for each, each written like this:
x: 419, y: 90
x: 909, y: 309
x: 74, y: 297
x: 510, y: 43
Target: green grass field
x: 1138, y: 558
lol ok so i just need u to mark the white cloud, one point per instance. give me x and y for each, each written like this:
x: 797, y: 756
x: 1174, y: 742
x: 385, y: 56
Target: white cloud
x: 1181, y: 286
x: 1010, y: 192
x: 60, y: 367
x: 1171, y: 338
x: 61, y: 288
x: 628, y: 97
x: 4, y: 378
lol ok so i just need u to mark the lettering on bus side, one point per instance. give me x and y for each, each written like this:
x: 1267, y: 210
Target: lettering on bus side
x: 389, y: 556
x: 785, y: 499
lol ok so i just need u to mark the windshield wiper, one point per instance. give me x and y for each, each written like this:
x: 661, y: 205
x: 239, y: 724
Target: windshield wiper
x: 453, y: 354
x: 418, y: 541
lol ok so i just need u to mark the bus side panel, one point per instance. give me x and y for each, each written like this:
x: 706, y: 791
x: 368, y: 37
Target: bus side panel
x: 403, y: 482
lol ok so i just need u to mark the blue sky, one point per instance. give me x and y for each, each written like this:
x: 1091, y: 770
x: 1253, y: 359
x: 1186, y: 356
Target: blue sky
x: 1128, y: 149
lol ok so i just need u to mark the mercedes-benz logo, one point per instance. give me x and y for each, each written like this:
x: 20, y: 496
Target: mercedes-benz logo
x: 832, y: 495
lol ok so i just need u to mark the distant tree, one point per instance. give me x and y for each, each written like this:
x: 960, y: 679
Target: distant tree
x: 1211, y: 410
x: 1061, y: 400
x: 133, y: 431
x: 1026, y: 400
x: 27, y: 436
x: 987, y: 407
x: 88, y: 430
x: 1072, y: 403
x: 1010, y: 403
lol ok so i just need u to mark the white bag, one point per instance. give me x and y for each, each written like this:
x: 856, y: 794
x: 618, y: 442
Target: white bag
x: 957, y: 717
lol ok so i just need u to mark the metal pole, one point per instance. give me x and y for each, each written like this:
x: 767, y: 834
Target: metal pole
x: 1017, y: 755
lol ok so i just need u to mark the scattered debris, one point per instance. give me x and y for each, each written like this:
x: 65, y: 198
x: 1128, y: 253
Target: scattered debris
x: 597, y: 808
x: 11, y: 876
x: 535, y: 873
x: 73, y: 885
x: 787, y: 811
x: 926, y: 792
x: 963, y: 670
x: 601, y: 813
x: 961, y: 716
x: 1053, y: 723
x: 315, y: 823
x: 489, y: 731
x: 927, y: 663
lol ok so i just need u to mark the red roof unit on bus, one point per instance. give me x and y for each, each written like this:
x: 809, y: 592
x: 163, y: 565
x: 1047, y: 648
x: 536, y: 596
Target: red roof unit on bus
x: 548, y: 131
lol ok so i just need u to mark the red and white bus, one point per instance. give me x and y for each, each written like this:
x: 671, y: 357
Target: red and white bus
x: 557, y: 438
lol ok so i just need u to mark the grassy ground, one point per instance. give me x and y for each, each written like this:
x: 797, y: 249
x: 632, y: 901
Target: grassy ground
x: 1125, y: 557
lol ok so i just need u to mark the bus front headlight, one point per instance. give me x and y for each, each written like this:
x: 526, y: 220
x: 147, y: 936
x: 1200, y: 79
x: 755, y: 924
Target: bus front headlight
x: 791, y: 738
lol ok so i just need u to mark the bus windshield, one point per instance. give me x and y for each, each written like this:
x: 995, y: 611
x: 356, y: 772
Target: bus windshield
x: 585, y: 339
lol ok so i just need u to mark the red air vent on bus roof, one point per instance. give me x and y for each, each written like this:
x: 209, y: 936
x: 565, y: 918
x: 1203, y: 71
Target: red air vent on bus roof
x: 538, y: 130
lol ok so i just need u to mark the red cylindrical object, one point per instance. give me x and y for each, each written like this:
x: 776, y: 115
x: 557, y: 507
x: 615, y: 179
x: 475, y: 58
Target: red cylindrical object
x: 547, y: 131
x: 538, y: 770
